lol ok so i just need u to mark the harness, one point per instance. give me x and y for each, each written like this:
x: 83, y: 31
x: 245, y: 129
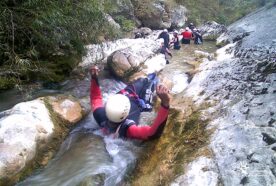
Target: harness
x: 144, y: 103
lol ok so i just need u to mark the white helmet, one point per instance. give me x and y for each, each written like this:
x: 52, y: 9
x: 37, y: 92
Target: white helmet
x: 117, y: 108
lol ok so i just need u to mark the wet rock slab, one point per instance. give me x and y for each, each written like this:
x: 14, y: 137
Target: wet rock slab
x: 29, y: 128
x: 240, y: 88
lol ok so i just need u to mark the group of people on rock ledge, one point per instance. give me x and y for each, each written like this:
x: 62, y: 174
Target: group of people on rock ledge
x: 188, y: 34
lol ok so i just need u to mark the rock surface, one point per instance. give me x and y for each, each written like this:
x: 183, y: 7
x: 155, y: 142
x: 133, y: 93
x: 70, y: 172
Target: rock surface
x: 179, y: 16
x: 100, y: 52
x: 240, y: 89
x: 256, y: 28
x: 155, y: 15
x: 68, y: 110
x: 144, y: 31
x: 211, y: 30
x: 28, y: 128
x: 202, y: 171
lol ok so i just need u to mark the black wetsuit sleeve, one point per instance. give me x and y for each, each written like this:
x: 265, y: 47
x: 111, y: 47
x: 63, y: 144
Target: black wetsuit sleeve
x: 124, y: 127
x: 100, y: 115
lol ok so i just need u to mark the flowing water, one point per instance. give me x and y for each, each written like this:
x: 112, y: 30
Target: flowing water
x: 11, y: 97
x: 88, y: 158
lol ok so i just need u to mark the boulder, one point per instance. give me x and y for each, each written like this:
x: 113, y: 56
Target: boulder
x: 121, y: 62
x: 144, y: 31
x: 68, y: 109
x: 155, y: 15
x: 100, y: 52
x: 124, y: 63
x: 124, y: 9
x: 31, y: 131
x: 212, y: 30
x: 201, y: 54
x: 179, y: 16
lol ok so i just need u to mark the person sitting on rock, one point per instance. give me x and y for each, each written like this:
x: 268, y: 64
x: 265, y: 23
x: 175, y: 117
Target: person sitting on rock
x: 120, y: 115
x: 165, y: 35
x: 198, y: 37
x: 165, y: 50
x: 187, y: 36
x: 175, y: 41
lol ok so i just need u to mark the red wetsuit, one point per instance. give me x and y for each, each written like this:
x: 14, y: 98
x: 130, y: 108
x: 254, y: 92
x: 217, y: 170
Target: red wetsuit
x: 187, y: 34
x: 133, y: 131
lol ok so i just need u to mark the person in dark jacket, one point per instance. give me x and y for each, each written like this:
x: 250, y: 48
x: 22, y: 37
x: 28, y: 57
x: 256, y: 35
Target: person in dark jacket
x: 198, y: 37
x: 120, y: 115
x: 175, y: 41
x: 191, y: 26
x: 165, y: 35
x: 164, y: 50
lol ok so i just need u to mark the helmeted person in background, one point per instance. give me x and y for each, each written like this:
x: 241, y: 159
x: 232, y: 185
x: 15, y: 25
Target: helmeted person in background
x: 120, y: 115
x: 165, y: 35
x: 186, y: 36
x: 198, y: 37
x: 166, y: 51
x: 175, y: 41
x: 191, y: 26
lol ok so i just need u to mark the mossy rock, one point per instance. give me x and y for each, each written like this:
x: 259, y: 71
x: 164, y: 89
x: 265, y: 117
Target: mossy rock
x: 7, y: 83
x: 58, y: 69
x: 183, y: 140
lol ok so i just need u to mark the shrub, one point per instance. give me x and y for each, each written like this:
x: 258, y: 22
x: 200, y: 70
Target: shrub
x: 39, y: 30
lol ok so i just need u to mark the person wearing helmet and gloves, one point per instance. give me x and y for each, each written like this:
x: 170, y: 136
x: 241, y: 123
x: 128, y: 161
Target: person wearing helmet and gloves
x: 165, y: 35
x: 175, y: 41
x: 120, y: 115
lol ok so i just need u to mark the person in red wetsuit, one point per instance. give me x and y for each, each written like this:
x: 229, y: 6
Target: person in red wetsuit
x: 120, y: 114
x: 186, y: 36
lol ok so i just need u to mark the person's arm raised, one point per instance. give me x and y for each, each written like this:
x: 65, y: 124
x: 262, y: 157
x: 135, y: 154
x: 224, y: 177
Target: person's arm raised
x: 96, y: 100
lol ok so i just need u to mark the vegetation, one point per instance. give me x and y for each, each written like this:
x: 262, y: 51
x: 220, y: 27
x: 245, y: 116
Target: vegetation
x: 222, y: 11
x: 47, y: 37
x: 126, y: 24
x: 44, y: 39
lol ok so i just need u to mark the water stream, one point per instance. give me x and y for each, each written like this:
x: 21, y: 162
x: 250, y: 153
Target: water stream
x: 88, y: 158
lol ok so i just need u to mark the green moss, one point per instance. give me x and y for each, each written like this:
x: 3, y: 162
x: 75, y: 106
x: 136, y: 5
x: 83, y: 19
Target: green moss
x: 59, y: 68
x: 181, y: 142
x: 7, y: 83
x: 126, y: 24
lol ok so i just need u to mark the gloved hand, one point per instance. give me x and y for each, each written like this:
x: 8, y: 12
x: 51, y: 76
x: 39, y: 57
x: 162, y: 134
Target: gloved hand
x: 163, y: 93
x: 94, y: 72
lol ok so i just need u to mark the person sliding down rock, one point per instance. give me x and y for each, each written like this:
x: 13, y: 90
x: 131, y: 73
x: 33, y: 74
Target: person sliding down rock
x: 120, y: 115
